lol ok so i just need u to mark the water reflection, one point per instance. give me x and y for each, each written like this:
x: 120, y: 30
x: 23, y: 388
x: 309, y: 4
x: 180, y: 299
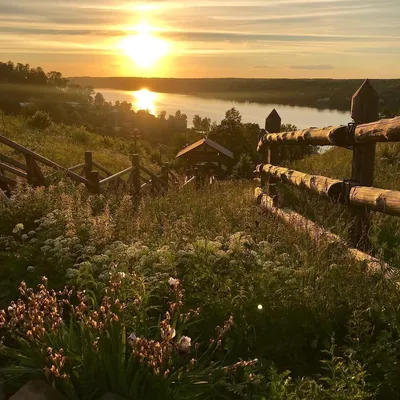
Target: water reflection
x: 215, y: 109
x: 145, y: 100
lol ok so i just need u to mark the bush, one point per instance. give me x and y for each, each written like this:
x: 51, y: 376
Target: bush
x: 40, y: 120
x: 244, y: 168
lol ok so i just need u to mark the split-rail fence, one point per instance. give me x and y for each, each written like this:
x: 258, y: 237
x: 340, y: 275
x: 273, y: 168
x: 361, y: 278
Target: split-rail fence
x: 94, y: 176
x: 357, y: 192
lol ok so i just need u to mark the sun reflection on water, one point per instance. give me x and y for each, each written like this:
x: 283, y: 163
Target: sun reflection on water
x: 145, y: 100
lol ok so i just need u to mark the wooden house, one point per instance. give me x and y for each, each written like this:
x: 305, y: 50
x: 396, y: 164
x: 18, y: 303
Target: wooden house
x: 208, y: 156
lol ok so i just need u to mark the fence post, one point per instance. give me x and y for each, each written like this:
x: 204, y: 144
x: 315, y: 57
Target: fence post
x: 94, y: 177
x: 273, y: 125
x: 364, y: 109
x: 90, y: 175
x: 35, y: 176
x: 136, y: 174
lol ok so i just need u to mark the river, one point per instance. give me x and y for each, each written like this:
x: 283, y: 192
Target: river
x: 154, y: 102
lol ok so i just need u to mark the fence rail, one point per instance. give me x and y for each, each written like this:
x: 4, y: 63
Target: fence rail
x: 357, y: 192
x: 91, y: 174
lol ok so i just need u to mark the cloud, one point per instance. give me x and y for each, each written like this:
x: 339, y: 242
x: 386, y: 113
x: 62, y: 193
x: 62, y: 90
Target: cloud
x: 312, y: 67
x: 263, y: 66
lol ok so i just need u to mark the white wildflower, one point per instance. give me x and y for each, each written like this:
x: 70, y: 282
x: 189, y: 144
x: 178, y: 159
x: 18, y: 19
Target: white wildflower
x: 132, y: 339
x: 173, y: 283
x: 184, y: 344
x: 31, y: 268
x: 170, y: 333
x: 18, y: 228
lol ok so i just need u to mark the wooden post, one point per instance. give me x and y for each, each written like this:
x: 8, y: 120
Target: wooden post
x: 94, y: 177
x: 136, y: 174
x: 364, y: 109
x: 88, y: 163
x: 35, y: 176
x: 273, y: 125
x: 90, y: 175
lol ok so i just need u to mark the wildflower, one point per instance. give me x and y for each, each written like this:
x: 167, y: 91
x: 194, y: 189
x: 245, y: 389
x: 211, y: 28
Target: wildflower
x: 184, y: 344
x: 260, y: 307
x: 30, y: 269
x: 132, y: 339
x: 173, y: 283
x: 24, y: 237
x: 18, y: 228
x: 170, y: 333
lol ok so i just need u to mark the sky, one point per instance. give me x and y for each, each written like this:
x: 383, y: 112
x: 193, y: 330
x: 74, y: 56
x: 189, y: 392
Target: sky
x: 205, y: 38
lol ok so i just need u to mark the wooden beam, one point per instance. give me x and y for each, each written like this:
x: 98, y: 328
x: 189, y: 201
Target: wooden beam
x: 7, y: 180
x: 385, y: 201
x: 42, y: 159
x: 386, y: 130
x: 13, y: 170
x: 329, y: 136
x: 321, y: 185
x: 375, y: 199
x: 76, y: 167
x: 14, y: 163
x: 115, y: 176
x: 317, y: 233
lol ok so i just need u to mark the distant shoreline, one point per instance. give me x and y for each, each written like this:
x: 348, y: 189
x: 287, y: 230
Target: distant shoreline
x: 332, y: 94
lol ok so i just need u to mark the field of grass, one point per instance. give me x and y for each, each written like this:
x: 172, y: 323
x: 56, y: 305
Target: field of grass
x: 194, y: 295
x: 66, y: 144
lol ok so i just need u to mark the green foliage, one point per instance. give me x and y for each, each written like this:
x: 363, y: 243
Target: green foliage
x: 287, y: 296
x: 40, y: 120
x: 244, y: 168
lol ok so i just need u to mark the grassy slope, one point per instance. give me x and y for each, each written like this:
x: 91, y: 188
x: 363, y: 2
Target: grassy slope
x: 66, y: 145
x: 230, y: 257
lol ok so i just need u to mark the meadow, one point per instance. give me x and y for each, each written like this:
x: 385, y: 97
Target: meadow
x: 192, y: 295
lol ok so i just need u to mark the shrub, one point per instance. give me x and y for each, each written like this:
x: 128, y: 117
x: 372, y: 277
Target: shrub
x: 40, y: 120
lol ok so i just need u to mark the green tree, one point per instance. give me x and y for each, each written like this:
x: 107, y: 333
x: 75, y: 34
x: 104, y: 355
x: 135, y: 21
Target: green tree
x: 99, y: 99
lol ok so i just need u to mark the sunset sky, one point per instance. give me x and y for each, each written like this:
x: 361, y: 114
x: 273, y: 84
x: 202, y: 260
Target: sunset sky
x: 217, y: 38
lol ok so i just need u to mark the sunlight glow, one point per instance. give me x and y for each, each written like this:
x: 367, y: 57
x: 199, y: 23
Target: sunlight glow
x: 144, y: 48
x: 145, y: 100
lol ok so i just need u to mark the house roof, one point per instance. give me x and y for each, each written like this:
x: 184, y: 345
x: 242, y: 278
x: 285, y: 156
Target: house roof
x: 208, y: 142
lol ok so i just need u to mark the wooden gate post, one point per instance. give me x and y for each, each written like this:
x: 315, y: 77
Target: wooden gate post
x: 364, y: 109
x: 136, y: 174
x: 273, y: 125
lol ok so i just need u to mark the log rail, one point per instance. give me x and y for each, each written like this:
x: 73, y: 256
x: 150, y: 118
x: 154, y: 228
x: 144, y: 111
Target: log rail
x: 358, y: 193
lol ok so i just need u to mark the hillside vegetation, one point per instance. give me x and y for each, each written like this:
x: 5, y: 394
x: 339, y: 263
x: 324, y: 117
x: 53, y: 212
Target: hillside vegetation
x: 195, y: 295
x: 336, y: 163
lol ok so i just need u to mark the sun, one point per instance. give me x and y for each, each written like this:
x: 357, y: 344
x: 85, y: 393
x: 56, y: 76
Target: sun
x: 144, y: 48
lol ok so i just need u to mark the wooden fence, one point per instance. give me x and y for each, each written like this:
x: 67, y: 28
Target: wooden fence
x: 94, y: 176
x: 357, y: 192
